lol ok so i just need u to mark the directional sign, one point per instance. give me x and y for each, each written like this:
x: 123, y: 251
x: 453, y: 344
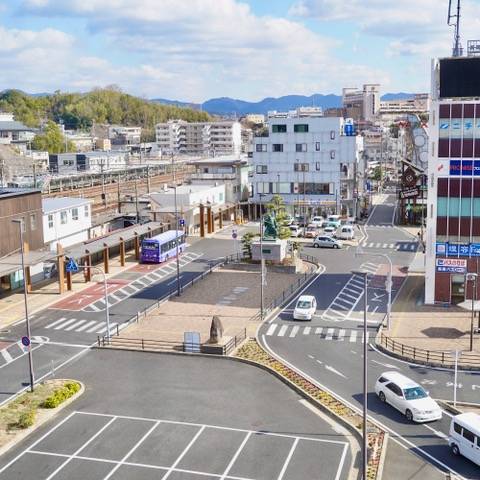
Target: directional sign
x: 25, y: 341
x: 71, y: 266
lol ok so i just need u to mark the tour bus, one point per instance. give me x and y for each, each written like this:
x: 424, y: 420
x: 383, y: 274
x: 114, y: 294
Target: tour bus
x: 160, y: 248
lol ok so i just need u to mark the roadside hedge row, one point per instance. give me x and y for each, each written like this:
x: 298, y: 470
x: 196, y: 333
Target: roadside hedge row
x: 61, y: 394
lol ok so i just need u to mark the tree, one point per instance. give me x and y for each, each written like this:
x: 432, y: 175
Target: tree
x: 276, y: 207
x: 52, y: 140
x: 377, y: 173
x: 247, y: 240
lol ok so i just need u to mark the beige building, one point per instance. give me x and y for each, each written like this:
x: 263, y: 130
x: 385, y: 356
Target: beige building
x: 362, y: 104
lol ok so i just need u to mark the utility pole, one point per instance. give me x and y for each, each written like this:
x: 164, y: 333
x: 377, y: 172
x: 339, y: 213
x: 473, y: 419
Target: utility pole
x: 262, y: 273
x: 136, y: 199
x: 34, y: 166
x: 176, y: 225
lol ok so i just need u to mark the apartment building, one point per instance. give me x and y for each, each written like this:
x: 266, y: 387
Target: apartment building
x: 93, y: 162
x: 311, y: 161
x: 199, y: 138
x: 362, y: 104
x: 453, y: 203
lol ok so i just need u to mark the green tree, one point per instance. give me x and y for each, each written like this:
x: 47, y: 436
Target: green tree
x: 276, y: 207
x: 377, y: 173
x: 52, y: 140
x: 247, y: 241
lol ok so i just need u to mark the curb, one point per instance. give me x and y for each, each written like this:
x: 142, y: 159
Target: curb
x: 49, y: 414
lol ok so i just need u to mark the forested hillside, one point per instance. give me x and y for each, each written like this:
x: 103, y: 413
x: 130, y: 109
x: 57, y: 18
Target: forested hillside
x: 81, y: 110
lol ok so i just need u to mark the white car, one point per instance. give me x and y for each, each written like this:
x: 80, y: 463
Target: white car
x: 317, y: 221
x: 464, y: 438
x: 305, y: 308
x: 329, y: 231
x: 408, y: 397
x: 295, y: 231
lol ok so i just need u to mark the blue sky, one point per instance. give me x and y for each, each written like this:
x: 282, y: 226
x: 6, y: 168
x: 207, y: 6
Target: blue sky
x: 198, y: 49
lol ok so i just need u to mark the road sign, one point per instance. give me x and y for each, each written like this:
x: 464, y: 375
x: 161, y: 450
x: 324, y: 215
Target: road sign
x: 25, y: 341
x: 181, y: 222
x: 71, y: 266
x: 409, y: 193
x: 234, y: 234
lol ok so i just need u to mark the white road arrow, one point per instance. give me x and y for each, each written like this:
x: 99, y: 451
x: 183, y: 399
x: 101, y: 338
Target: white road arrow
x: 388, y: 365
x: 474, y: 387
x: 378, y: 297
x: 336, y: 372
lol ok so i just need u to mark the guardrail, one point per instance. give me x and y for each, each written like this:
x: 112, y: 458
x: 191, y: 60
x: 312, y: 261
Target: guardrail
x: 428, y: 357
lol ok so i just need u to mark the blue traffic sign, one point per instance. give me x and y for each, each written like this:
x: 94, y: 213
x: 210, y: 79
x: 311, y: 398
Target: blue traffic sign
x: 71, y: 266
x: 181, y: 222
x: 25, y: 341
x: 234, y: 234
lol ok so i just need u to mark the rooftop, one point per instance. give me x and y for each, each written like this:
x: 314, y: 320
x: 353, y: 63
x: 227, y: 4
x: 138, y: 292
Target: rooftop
x: 14, y: 126
x: 15, y: 192
x: 54, y: 204
x: 185, y: 189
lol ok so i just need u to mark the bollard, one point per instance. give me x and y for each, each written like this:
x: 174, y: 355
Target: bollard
x: 118, y: 329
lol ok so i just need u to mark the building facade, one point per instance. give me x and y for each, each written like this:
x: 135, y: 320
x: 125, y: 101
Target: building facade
x: 362, y: 104
x: 453, y: 204
x: 199, y: 138
x: 13, y: 132
x: 93, y: 162
x: 310, y: 161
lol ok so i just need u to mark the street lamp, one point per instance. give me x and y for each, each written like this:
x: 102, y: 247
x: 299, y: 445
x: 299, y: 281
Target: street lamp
x: 365, y: 387
x: 473, y: 278
x: 176, y: 225
x: 20, y: 223
x: 359, y: 252
x: 262, y: 273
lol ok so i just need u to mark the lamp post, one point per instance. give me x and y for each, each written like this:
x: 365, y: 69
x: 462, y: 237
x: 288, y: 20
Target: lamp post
x: 473, y: 278
x: 20, y: 223
x: 176, y: 226
x: 365, y: 378
x: 262, y: 273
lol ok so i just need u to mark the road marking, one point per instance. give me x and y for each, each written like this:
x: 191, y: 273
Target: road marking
x: 336, y: 372
x: 90, y: 330
x: 287, y: 460
x: 272, y: 329
x: 64, y: 324
x: 320, y: 362
x: 56, y: 322
x: 104, y: 329
x: 341, y: 335
x: 282, y: 331
x: 8, y: 358
x: 318, y: 330
x: 75, y: 325
x: 294, y: 331
x: 329, y: 335
x: 306, y: 330
x: 388, y: 365
x: 88, y: 324
x: 368, y: 333
x: 353, y: 336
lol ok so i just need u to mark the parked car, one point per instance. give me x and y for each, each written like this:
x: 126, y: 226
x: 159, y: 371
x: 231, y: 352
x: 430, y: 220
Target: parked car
x: 311, y: 231
x: 408, y: 397
x: 288, y: 220
x: 330, y: 231
x: 295, y: 231
x: 324, y: 241
x: 464, y: 438
x: 345, y: 232
x: 305, y: 307
x: 301, y: 220
x: 334, y: 224
x: 49, y: 270
x: 333, y: 218
x: 317, y: 221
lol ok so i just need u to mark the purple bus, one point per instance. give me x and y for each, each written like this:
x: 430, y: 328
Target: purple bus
x: 160, y: 248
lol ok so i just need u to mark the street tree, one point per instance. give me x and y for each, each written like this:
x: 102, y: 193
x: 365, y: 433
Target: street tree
x: 276, y: 207
x: 247, y: 241
x: 52, y: 140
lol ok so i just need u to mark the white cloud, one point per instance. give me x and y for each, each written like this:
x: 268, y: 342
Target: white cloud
x: 197, y: 49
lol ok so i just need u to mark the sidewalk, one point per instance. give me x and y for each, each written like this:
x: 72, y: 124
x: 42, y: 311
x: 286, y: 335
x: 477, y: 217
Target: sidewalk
x: 12, y: 306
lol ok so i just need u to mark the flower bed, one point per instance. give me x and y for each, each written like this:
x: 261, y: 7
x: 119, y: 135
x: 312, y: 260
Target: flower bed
x: 253, y: 352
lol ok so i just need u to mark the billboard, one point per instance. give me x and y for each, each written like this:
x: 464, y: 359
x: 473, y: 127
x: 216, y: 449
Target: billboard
x: 459, y: 77
x: 451, y: 265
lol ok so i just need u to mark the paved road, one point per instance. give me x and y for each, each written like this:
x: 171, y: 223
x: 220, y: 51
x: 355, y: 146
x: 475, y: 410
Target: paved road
x: 66, y: 331
x: 186, y: 419
x: 329, y: 348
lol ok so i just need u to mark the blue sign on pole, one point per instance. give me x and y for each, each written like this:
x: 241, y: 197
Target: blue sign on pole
x: 25, y: 341
x: 181, y: 222
x: 71, y: 266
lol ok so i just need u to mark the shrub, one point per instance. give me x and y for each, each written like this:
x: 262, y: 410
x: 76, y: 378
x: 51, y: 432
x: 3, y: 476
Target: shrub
x: 61, y: 394
x: 26, y: 419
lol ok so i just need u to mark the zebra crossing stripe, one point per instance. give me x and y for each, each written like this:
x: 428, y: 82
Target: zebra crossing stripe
x: 329, y: 335
x: 282, y: 331
x: 272, y: 329
x: 64, y: 324
x: 341, y: 334
x: 294, y: 331
x: 306, y: 330
x: 104, y: 329
x: 56, y: 322
x: 8, y: 358
x: 75, y: 325
x: 353, y: 336
x: 87, y: 325
x: 90, y: 330
x: 363, y: 337
x: 318, y: 330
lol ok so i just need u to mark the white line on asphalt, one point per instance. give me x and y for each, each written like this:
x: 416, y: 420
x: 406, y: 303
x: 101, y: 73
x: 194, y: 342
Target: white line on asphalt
x: 282, y: 331
x: 90, y: 330
x: 84, y: 327
x: 75, y: 325
x: 320, y: 362
x: 94, y: 307
x: 341, y: 335
x: 353, y: 336
x: 336, y: 372
x: 311, y: 356
x: 294, y: 331
x: 16, y: 358
x: 272, y: 328
x: 56, y: 322
x: 8, y: 358
x: 64, y: 324
x: 329, y: 335
x: 287, y: 460
x: 342, y: 461
x: 318, y: 330
x: 306, y: 330
x: 104, y: 329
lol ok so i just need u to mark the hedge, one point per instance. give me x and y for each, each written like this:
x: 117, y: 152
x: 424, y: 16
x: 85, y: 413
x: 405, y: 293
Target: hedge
x: 26, y: 419
x: 61, y: 394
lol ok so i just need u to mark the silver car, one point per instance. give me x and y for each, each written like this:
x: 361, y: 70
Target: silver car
x: 326, y: 242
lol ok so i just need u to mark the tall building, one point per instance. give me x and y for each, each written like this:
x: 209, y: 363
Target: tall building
x: 453, y: 209
x: 362, y: 104
x: 308, y: 159
x: 199, y: 138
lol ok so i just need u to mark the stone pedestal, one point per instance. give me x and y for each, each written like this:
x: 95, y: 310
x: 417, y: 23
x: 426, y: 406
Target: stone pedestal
x: 272, y: 250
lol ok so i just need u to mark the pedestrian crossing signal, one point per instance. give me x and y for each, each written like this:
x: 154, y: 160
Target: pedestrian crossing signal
x: 71, y: 266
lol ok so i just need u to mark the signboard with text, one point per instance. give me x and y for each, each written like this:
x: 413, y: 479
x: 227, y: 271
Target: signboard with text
x: 451, y: 265
x: 465, y: 168
x: 409, y: 193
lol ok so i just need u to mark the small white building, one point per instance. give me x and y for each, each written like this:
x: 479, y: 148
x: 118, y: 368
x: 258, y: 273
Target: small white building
x: 66, y: 221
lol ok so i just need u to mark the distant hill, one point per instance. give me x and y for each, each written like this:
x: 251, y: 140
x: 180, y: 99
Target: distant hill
x: 177, y: 103
x: 227, y: 106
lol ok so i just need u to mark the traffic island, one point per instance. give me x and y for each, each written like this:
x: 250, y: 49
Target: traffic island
x: 253, y: 353
x: 27, y: 412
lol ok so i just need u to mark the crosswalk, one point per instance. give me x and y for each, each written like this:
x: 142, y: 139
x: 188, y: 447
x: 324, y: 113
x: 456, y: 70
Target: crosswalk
x: 380, y: 225
x: 16, y: 349
x: 398, y: 246
x: 76, y: 325
x: 141, y: 283
x: 324, y: 333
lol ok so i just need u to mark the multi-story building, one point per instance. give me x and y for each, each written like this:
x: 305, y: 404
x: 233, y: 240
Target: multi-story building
x: 200, y: 138
x: 362, y: 104
x: 93, y: 162
x: 311, y: 161
x: 14, y: 132
x: 453, y: 204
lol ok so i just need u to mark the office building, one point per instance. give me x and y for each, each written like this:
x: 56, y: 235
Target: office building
x: 362, y: 104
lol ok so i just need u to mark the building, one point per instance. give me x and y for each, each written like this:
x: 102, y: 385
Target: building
x: 418, y: 104
x: 199, y: 138
x: 92, y: 162
x: 231, y: 171
x: 103, y: 144
x: 66, y: 221
x: 453, y: 202
x: 362, y: 104
x: 83, y: 142
x: 310, y: 160
x: 255, y: 118
x: 14, y: 132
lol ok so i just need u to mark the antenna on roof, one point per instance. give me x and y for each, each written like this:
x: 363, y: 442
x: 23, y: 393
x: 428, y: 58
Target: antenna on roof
x: 454, y: 21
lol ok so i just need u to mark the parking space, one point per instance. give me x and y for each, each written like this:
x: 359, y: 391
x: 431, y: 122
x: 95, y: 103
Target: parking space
x: 96, y: 445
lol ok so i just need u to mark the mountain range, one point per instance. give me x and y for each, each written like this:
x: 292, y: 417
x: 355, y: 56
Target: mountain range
x: 227, y: 106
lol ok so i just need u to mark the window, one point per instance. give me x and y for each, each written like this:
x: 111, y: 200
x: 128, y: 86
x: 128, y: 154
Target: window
x: 23, y: 225
x: 332, y: 154
x: 468, y: 435
x: 300, y: 128
x: 300, y: 167
x: 63, y: 218
x: 317, y: 166
x: 301, y: 147
x: 457, y: 428
x: 277, y: 147
x: 261, y: 147
x: 87, y: 211
x: 74, y: 213
x: 313, y: 188
x: 264, y: 187
x: 382, y: 380
x: 262, y: 169
x: 33, y: 221
x: 395, y: 389
x: 279, y: 129
x: 220, y: 197
x: 317, y: 146
x: 50, y: 221
x: 332, y: 134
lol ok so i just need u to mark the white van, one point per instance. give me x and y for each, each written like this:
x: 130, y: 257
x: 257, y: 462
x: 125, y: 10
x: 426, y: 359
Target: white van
x: 345, y: 232
x: 333, y: 218
x: 464, y: 436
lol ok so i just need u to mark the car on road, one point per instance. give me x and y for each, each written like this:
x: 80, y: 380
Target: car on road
x: 325, y: 241
x: 329, y: 231
x: 408, y: 397
x: 311, y: 231
x: 464, y: 438
x: 305, y: 307
x: 295, y: 231
x: 318, y: 221
x: 345, y: 232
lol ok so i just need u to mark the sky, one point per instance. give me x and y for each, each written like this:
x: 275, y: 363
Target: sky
x: 193, y: 50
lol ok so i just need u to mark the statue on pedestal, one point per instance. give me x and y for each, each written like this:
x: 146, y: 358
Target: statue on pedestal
x: 270, y: 227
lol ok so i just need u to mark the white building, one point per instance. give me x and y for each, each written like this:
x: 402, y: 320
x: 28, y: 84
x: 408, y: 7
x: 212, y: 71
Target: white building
x: 204, y: 138
x: 66, y: 221
x: 310, y: 161
x: 93, y: 162
x: 362, y: 104
x: 12, y: 131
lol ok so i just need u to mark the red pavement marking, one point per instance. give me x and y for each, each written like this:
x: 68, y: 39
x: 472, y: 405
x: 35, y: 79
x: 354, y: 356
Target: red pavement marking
x: 148, y: 267
x: 4, y: 345
x: 378, y: 280
x: 90, y: 295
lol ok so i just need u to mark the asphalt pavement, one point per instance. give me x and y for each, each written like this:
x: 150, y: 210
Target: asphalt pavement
x: 147, y: 416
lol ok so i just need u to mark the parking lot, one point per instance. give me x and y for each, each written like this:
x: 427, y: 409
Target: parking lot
x: 254, y: 427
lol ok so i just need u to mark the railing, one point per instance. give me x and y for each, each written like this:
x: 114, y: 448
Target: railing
x: 437, y: 358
